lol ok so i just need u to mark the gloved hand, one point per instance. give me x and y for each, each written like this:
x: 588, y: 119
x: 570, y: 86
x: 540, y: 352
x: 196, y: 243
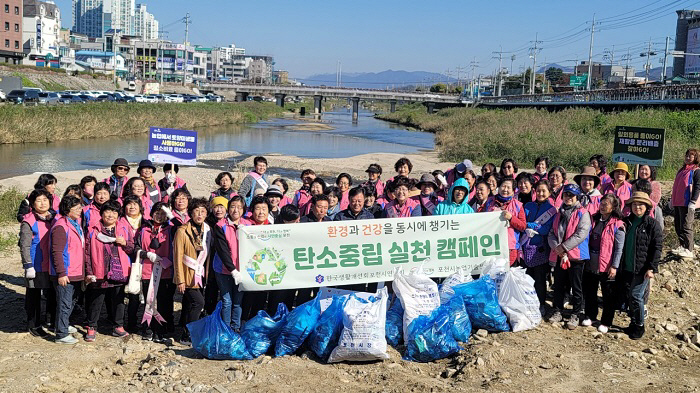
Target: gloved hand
x: 531, y: 232
x: 29, y: 273
x: 153, y: 257
x: 170, y: 190
x: 442, y: 180
x: 168, y: 212
x: 237, y: 276
x: 691, y: 205
x: 565, y: 263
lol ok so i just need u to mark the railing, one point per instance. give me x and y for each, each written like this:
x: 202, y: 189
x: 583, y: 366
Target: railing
x: 656, y: 93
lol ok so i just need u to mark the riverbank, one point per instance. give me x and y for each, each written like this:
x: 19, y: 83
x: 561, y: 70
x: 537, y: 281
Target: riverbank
x: 568, y: 137
x: 25, y: 124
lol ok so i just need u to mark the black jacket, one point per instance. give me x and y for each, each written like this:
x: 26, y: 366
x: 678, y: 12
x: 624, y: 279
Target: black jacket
x: 312, y: 218
x: 347, y: 215
x: 648, y: 245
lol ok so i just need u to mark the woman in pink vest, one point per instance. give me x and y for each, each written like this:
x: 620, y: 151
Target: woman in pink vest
x: 568, y: 241
x: 590, y: 196
x: 317, y: 187
x: 344, y: 182
x: 557, y: 180
x: 133, y: 218
x: 284, y: 186
x: 619, y: 184
x: 136, y: 186
x: 303, y: 195
x: 67, y: 269
x: 34, y: 250
x: 107, y: 248
x: 402, y: 206
x: 170, y: 181
x: 513, y: 212
x: 684, y: 198
x: 606, y: 242
x: 91, y: 212
x: 647, y: 172
x: 178, y: 207
x: 120, y: 170
x: 46, y: 181
x: 541, y: 168
x: 599, y: 163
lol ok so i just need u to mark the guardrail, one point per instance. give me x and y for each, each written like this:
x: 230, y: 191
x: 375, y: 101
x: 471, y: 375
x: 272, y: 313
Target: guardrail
x: 656, y: 93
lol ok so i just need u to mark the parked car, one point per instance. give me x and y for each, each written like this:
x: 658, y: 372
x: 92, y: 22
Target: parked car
x: 105, y: 98
x: 177, y: 97
x: 140, y: 98
x: 87, y: 98
x: 151, y: 99
x: 3, y: 96
x: 48, y: 98
x: 70, y: 99
x: 23, y: 96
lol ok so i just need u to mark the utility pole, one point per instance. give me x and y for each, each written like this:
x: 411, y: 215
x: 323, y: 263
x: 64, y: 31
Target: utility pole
x: 500, y: 67
x: 474, y: 65
x: 460, y: 69
x: 534, y: 64
x: 663, y: 76
x: 523, y: 83
x: 512, y: 59
x: 627, y: 66
x: 187, y: 22
x: 160, y: 47
x: 544, y: 75
x: 590, y: 56
x: 448, y: 73
x: 647, y: 65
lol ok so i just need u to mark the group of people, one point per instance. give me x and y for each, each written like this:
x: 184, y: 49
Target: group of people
x: 129, y: 243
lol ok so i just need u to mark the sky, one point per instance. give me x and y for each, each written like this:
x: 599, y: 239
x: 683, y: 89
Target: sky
x: 309, y: 37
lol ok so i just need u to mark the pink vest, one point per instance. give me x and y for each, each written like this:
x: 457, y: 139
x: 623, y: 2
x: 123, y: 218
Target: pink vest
x: 92, y: 215
x: 97, y: 251
x: 40, y: 250
x: 513, y: 207
x: 179, y: 183
x: 165, y: 251
x: 558, y: 201
x: 393, y: 210
x: 121, y: 192
x: 301, y: 199
x: 344, y: 200
x: 683, y: 186
x: 579, y: 252
x: 73, y: 255
x: 147, y: 204
x: 594, y: 205
x: 232, y: 240
x: 607, y: 241
x: 285, y: 201
x: 624, y: 192
x: 605, y: 179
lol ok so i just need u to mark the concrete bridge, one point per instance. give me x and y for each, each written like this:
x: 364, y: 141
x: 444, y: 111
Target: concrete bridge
x: 242, y: 91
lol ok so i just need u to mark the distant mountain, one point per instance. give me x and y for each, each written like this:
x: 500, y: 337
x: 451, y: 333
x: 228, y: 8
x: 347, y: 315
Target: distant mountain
x: 555, y: 65
x: 655, y: 73
x: 379, y: 80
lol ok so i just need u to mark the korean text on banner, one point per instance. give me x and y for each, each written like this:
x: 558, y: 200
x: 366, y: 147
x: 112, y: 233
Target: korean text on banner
x: 345, y: 253
x: 636, y: 145
x: 167, y: 145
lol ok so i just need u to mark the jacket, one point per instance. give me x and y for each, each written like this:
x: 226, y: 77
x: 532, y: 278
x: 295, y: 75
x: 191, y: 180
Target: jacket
x: 410, y: 208
x: 686, y: 186
x: 225, y: 242
x: 183, y: 246
x: 312, y: 218
x: 517, y: 222
x: 153, y: 191
x: 607, y: 243
x: 591, y: 201
x: 536, y: 219
x: 250, y: 183
x: 67, y: 250
x: 116, y: 187
x: 94, y: 251
x: 449, y: 207
x: 648, y: 244
x: 34, y: 248
x: 162, y: 237
x: 624, y: 192
x: 347, y: 215
x: 571, y: 228
x: 163, y: 184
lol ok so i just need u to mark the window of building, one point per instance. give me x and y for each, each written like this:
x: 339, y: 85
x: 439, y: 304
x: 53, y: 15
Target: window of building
x: 16, y: 27
x: 16, y: 44
x: 7, y: 25
x: 7, y: 8
x: 16, y: 10
x: 7, y: 43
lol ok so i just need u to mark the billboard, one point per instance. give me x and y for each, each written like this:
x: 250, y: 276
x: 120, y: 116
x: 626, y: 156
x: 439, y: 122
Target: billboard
x: 692, y: 63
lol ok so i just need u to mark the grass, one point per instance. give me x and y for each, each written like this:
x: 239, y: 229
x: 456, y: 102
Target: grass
x: 8, y: 241
x: 568, y: 137
x: 20, y: 124
x: 26, y: 82
x: 52, y: 86
x: 9, y: 203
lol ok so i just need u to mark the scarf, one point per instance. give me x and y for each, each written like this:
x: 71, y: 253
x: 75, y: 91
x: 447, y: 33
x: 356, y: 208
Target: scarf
x: 134, y: 222
x: 503, y: 200
x: 76, y: 225
x: 427, y: 202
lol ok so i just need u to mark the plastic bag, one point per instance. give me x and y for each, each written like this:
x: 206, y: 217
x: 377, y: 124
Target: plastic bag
x: 262, y: 330
x: 324, y: 338
x: 431, y: 337
x: 459, y: 320
x: 446, y: 290
x: 214, y: 339
x: 519, y: 300
x: 481, y: 301
x: 394, y: 322
x: 300, y: 323
x: 418, y: 294
x: 362, y: 338
x: 496, y: 268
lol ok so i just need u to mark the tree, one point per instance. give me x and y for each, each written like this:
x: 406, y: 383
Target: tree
x: 553, y: 74
x: 438, y: 88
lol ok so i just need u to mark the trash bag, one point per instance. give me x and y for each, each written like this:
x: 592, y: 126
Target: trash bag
x: 481, y: 301
x: 262, y: 330
x: 362, y: 338
x: 446, y: 290
x: 519, y: 300
x: 459, y: 320
x: 496, y: 268
x: 394, y: 322
x: 324, y: 338
x: 300, y: 323
x: 431, y: 337
x: 214, y: 339
x: 418, y: 294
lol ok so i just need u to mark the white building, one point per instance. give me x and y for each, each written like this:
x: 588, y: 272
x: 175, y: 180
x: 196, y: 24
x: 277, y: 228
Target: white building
x: 145, y: 24
x: 41, y: 25
x: 94, y: 17
x: 102, y: 62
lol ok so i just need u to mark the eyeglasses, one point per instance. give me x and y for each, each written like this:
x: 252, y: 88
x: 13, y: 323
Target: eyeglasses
x: 122, y: 168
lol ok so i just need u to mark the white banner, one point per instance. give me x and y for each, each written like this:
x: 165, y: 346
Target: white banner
x: 306, y: 255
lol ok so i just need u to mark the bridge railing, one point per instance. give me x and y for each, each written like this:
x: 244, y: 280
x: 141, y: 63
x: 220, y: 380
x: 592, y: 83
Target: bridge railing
x: 671, y: 92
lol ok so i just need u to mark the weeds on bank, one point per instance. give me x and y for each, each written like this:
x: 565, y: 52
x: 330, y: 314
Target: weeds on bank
x: 8, y: 241
x: 9, y: 203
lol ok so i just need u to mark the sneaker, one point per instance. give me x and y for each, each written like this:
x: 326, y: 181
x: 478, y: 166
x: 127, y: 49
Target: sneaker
x: 603, y: 329
x: 119, y: 332
x: 72, y: 329
x: 586, y: 322
x: 677, y: 250
x: 555, y: 317
x: 185, y: 339
x: 686, y: 254
x: 158, y: 338
x: 91, y: 335
x: 147, y: 335
x: 38, y: 332
x: 67, y: 340
x: 636, y: 332
x: 573, y: 322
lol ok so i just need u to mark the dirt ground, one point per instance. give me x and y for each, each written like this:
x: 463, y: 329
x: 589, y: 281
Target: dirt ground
x: 548, y: 358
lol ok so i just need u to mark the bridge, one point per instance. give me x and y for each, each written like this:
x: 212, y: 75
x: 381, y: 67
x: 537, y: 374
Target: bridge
x: 670, y: 96
x: 242, y: 91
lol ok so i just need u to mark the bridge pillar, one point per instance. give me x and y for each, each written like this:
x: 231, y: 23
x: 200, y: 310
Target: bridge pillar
x: 317, y: 104
x: 431, y: 107
x: 241, y: 96
x: 279, y: 97
x: 392, y: 106
x: 355, y: 108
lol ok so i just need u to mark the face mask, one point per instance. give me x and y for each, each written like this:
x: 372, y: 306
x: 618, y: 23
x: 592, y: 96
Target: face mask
x: 170, y: 176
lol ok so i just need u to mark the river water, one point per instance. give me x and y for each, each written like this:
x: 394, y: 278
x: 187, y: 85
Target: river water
x: 368, y: 135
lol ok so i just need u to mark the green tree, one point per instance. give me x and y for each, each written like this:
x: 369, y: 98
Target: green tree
x: 553, y: 74
x: 438, y: 88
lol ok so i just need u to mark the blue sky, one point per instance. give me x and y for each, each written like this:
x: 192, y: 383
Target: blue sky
x: 309, y: 37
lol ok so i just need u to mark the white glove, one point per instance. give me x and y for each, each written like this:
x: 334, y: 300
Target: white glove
x: 691, y: 205
x: 237, y: 276
x: 168, y: 212
x: 153, y: 257
x: 531, y: 232
x: 29, y: 273
x: 170, y: 190
x: 442, y: 180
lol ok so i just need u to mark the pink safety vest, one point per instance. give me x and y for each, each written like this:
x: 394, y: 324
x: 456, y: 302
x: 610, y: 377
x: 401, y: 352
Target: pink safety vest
x: 683, y: 186
x: 558, y: 201
x: 165, y: 251
x: 594, y: 205
x: 301, y: 198
x: 40, y: 249
x: 97, y: 251
x: 344, y: 200
x: 109, y: 181
x: 607, y: 242
x: 393, y: 210
x: 285, y: 201
x: 579, y: 252
x: 624, y: 192
x: 232, y: 240
x: 513, y: 207
x: 147, y: 206
x: 73, y: 255
x: 604, y: 180
x: 92, y: 215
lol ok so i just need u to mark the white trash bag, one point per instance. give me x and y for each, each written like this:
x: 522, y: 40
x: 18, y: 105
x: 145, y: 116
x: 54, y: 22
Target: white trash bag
x: 418, y: 295
x: 519, y: 301
x: 496, y: 269
x: 446, y: 290
x: 363, y: 336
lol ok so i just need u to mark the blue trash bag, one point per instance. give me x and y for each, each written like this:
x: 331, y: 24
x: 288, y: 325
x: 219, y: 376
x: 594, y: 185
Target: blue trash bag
x: 481, y: 301
x: 394, y: 322
x: 300, y: 323
x: 214, y: 339
x: 262, y: 330
x: 431, y: 337
x: 459, y: 319
x: 324, y: 338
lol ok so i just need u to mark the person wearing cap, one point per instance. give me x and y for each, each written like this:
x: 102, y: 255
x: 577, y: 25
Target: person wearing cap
x: 589, y: 181
x: 356, y: 208
x: 541, y: 168
x: 170, y: 181
x: 513, y: 212
x: 343, y: 182
x: 274, y: 195
x: 120, y: 170
x: 374, y: 173
x: 684, y: 199
x: 224, y: 180
x: 456, y: 203
x: 568, y: 241
x: 640, y: 260
x: 599, y: 163
x: 619, y: 184
x: 146, y: 170
x: 459, y: 171
x: 428, y: 198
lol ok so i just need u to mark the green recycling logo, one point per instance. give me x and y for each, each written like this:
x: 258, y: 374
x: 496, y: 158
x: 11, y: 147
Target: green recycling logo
x: 267, y: 266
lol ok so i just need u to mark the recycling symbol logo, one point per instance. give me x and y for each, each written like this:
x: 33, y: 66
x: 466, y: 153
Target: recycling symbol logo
x: 267, y: 266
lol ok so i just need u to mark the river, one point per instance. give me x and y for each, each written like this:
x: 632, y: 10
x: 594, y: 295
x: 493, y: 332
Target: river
x: 346, y: 139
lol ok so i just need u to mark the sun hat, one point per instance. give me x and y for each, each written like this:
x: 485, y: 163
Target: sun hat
x: 427, y: 178
x: 219, y: 201
x: 621, y: 166
x: 119, y: 162
x: 374, y: 168
x: 274, y: 190
x: 587, y: 171
x: 640, y: 196
x: 145, y: 164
